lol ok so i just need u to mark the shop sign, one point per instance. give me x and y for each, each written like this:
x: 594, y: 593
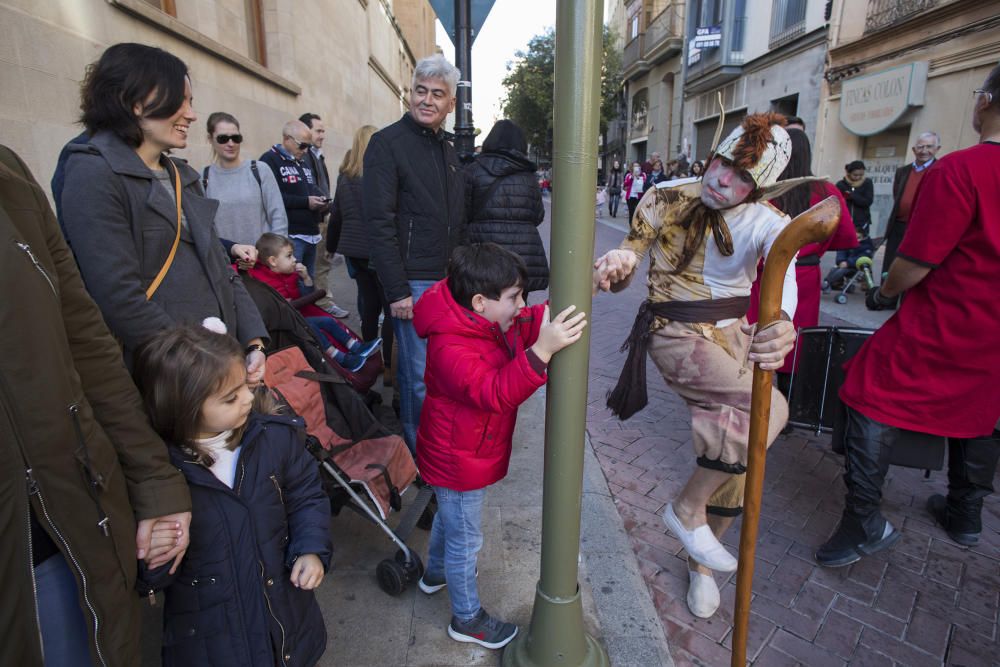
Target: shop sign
x: 705, y: 37
x: 872, y: 103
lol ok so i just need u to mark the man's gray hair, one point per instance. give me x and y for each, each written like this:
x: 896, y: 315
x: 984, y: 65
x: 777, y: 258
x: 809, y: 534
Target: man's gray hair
x: 436, y: 67
x: 937, y: 137
x: 295, y: 128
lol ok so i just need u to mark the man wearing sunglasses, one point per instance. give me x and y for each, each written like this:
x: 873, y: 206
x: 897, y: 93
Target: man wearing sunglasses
x: 305, y: 203
x: 933, y: 367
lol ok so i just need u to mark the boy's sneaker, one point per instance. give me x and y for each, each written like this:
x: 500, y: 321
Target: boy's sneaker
x: 353, y: 362
x: 482, y: 629
x: 431, y: 586
x: 367, y: 349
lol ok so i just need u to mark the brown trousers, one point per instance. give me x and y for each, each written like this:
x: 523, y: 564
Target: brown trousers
x: 713, y: 377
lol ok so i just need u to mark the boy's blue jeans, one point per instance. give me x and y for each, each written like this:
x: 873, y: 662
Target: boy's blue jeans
x: 321, y: 325
x: 410, y: 371
x: 456, y: 538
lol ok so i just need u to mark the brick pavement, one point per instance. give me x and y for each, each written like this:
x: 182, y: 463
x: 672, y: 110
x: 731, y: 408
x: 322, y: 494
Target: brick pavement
x: 926, y: 601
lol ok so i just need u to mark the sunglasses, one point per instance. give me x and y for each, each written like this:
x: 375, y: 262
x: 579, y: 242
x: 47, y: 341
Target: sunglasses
x: 301, y: 144
x: 226, y: 138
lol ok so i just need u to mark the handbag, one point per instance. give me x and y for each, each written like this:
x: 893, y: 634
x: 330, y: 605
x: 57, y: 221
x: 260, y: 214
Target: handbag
x: 177, y: 239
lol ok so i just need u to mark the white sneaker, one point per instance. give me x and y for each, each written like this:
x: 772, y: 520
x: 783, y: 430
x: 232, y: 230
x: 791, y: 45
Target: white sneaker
x: 700, y: 543
x: 337, y: 311
x: 703, y: 594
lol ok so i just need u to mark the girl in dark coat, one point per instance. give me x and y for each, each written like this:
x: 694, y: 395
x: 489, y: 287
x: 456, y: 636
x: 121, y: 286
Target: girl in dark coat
x: 260, y: 540
x: 859, y: 192
x: 503, y: 202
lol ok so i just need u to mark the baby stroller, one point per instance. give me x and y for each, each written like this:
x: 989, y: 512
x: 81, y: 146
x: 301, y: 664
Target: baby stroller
x: 365, y: 467
x: 286, y: 326
x: 859, y: 268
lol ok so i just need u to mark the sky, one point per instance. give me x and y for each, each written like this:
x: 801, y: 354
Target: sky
x: 508, y: 28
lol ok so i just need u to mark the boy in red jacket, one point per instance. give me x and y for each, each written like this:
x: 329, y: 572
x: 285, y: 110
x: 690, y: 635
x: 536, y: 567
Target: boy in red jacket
x: 486, y: 354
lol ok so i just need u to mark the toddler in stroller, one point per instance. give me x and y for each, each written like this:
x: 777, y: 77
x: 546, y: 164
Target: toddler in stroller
x: 852, y: 265
x: 277, y: 266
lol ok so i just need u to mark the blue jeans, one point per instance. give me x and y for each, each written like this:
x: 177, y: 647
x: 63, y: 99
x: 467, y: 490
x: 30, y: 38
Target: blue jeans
x: 305, y: 253
x: 456, y: 538
x: 64, y: 630
x: 321, y: 325
x: 410, y: 374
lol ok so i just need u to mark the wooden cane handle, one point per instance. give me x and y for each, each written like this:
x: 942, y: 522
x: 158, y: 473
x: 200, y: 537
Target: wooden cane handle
x: 813, y: 226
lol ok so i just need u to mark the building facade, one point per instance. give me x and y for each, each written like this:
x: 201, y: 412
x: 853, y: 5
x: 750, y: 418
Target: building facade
x: 897, y: 69
x: 264, y: 61
x: 757, y: 55
x: 653, y: 33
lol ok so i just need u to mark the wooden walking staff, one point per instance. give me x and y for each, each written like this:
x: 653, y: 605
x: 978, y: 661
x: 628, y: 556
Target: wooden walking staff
x: 813, y: 226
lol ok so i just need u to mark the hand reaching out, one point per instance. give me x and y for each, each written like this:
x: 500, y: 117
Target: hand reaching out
x: 558, y: 333
x: 612, y: 267
x: 307, y: 572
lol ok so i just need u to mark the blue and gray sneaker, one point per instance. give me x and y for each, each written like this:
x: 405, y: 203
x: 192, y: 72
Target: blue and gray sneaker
x: 366, y: 350
x: 482, y: 629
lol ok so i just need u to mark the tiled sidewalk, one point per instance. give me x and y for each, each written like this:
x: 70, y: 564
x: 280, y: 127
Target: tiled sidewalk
x: 924, y: 602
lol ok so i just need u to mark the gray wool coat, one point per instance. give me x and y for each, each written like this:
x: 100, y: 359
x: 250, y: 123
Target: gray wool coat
x: 121, y: 224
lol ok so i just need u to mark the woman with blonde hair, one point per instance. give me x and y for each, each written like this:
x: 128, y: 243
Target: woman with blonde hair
x: 348, y: 235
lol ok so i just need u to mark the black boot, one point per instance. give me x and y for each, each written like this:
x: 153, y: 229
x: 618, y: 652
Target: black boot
x: 862, y: 530
x: 972, y: 463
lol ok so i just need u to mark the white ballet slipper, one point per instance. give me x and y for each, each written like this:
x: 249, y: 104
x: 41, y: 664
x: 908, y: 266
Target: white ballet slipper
x: 700, y: 543
x: 703, y: 594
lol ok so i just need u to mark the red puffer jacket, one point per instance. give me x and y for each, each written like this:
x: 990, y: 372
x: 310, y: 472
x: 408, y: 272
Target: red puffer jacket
x: 287, y: 285
x: 476, y: 378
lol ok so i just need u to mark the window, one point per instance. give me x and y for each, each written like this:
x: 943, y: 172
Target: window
x: 256, y: 37
x: 788, y: 21
x: 788, y: 106
x: 633, y: 30
x: 165, y: 6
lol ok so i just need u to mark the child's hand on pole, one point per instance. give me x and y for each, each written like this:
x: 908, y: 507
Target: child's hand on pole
x: 558, y: 333
x: 307, y: 572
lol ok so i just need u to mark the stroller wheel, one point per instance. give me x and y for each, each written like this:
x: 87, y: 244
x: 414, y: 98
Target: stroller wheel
x: 392, y: 577
x: 826, y: 286
x: 414, y: 569
x: 841, y: 298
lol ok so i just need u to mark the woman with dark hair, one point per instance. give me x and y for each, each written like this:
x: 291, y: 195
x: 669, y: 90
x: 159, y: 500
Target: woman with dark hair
x: 697, y: 168
x: 249, y: 199
x: 503, y: 203
x: 137, y: 221
x: 859, y: 192
x: 807, y: 272
x: 635, y: 186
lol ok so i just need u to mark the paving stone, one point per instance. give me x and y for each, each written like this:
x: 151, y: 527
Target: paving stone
x: 929, y: 632
x: 839, y: 634
x: 805, y: 652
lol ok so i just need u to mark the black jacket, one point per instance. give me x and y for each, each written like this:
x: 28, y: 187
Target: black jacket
x: 347, y: 214
x: 859, y: 201
x: 414, y: 204
x: 504, y: 205
x: 231, y: 601
x: 297, y: 183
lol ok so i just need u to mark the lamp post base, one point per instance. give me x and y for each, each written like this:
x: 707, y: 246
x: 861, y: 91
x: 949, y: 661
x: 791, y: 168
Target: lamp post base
x: 555, y: 637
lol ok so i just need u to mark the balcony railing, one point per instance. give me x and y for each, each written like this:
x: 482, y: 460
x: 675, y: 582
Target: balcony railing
x: 884, y: 13
x: 788, y: 21
x: 633, y: 51
x: 663, y: 29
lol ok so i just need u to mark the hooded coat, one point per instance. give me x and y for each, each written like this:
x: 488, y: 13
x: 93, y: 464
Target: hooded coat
x: 477, y: 376
x: 231, y: 602
x: 68, y: 410
x: 504, y: 206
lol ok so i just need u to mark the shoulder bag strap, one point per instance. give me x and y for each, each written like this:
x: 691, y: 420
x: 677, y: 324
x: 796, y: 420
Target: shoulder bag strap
x: 260, y: 186
x: 177, y: 239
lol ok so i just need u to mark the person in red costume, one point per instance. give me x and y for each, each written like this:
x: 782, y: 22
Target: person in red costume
x: 807, y: 271
x: 933, y: 366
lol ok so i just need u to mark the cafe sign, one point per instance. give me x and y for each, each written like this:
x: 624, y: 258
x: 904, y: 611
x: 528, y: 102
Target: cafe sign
x: 873, y: 102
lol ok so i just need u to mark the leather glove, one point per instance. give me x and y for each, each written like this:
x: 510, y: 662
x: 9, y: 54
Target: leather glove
x: 875, y: 300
